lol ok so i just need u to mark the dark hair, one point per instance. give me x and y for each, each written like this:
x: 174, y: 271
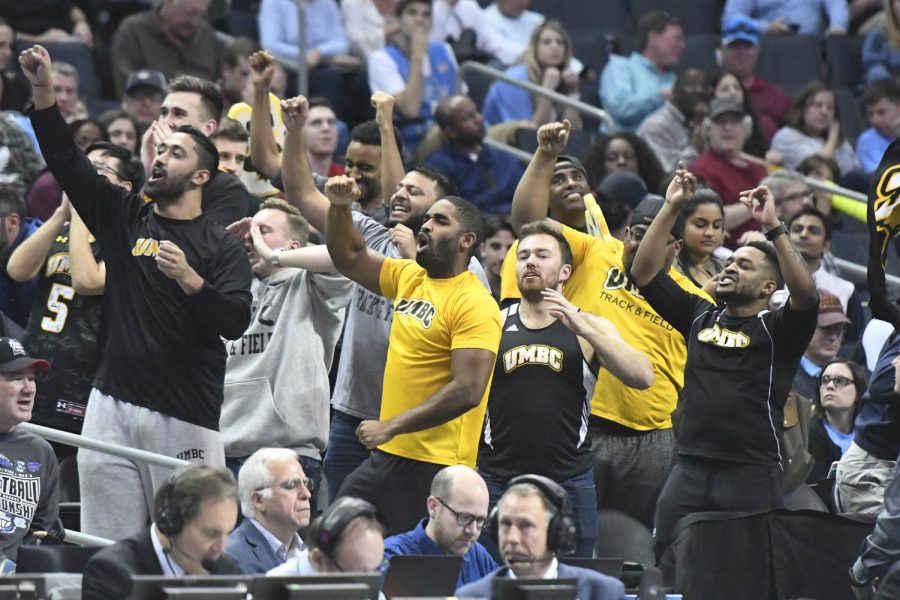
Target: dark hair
x: 497, y: 224
x: 813, y: 162
x: 649, y: 168
x: 106, y: 120
x: 444, y: 186
x: 231, y: 130
x: 178, y: 500
x: 210, y: 97
x: 240, y: 47
x: 320, y: 101
x: 132, y: 169
x: 542, y: 228
x: 794, y: 118
x: 860, y: 382
x: 701, y: 197
x: 756, y: 142
x: 882, y: 89
x: 655, y: 21
x: 207, y: 154
x: 402, y: 4
x: 76, y: 125
x: 813, y: 212
x: 11, y: 202
x: 771, y: 258
x: 368, y: 134
x: 470, y: 219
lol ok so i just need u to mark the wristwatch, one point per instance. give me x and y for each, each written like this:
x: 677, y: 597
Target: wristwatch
x: 276, y: 261
x: 775, y: 232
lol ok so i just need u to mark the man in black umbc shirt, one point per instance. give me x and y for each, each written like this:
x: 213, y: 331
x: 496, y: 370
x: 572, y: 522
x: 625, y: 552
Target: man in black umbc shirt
x: 741, y: 360
x: 176, y: 285
x: 537, y: 416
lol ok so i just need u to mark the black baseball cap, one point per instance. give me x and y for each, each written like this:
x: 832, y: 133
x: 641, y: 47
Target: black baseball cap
x: 147, y: 78
x: 567, y: 161
x: 647, y: 210
x: 14, y: 357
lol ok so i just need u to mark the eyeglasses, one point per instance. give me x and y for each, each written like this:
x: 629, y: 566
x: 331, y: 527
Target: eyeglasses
x: 463, y: 519
x: 291, y: 485
x: 105, y: 168
x: 839, y: 381
x: 798, y: 196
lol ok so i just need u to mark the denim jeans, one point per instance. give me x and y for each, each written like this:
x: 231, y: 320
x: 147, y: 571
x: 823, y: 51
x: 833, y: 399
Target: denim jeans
x: 582, y: 510
x: 344, y: 452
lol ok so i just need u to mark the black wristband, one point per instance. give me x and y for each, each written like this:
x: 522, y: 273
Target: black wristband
x: 775, y: 232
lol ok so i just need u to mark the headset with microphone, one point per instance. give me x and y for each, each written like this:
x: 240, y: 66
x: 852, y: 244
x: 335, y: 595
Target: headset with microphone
x: 326, y: 531
x: 562, y: 533
x: 174, y: 508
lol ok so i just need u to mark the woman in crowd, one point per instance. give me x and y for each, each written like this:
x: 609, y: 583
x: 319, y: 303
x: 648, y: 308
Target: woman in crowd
x: 121, y: 129
x: 547, y: 63
x: 370, y: 25
x: 835, y: 403
x: 881, y: 48
x: 813, y: 127
x: 704, y: 228
x: 725, y: 84
x: 623, y: 151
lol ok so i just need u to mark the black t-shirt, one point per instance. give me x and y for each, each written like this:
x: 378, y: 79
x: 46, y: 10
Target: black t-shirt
x: 157, y: 347
x: 737, y: 376
x: 62, y: 329
x: 225, y: 200
x: 538, y: 406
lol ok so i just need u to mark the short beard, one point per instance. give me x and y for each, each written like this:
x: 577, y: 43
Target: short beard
x: 168, y: 191
x: 438, y: 255
x: 414, y: 222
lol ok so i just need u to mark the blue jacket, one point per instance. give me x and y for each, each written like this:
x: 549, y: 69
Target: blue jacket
x: 489, y: 182
x: 16, y: 297
x: 476, y: 563
x: 250, y: 549
x: 591, y: 585
x: 878, y: 421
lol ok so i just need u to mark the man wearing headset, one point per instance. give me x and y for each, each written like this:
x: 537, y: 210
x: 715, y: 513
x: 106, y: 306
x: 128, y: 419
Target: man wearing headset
x: 345, y: 538
x: 193, y: 512
x: 532, y: 526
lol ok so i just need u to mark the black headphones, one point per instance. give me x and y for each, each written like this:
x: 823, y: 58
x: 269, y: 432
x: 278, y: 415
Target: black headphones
x: 562, y: 532
x: 329, y: 528
x: 172, y: 510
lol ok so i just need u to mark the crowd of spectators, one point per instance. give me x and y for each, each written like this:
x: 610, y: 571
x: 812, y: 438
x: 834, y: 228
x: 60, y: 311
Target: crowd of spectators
x: 216, y: 267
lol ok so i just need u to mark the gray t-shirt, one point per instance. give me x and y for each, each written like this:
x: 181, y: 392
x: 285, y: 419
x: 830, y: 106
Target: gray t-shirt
x: 29, y: 488
x: 367, y: 330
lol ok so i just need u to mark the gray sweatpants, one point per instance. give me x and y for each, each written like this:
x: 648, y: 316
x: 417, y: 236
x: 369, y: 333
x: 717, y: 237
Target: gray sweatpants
x: 117, y: 493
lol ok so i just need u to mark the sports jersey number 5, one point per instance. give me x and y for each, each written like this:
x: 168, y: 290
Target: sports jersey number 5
x: 55, y: 305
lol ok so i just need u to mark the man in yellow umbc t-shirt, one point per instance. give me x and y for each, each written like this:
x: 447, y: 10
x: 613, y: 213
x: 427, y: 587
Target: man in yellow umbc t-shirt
x: 633, y: 444
x: 443, y: 343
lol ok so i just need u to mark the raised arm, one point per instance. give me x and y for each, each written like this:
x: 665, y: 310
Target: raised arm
x: 409, y: 100
x: 392, y: 170
x: 299, y: 184
x: 630, y: 365
x: 311, y: 258
x: 263, y: 149
x: 532, y: 197
x: 470, y: 370
x: 797, y: 277
x: 650, y: 257
x: 346, y: 246
x: 26, y: 261
x: 88, y: 274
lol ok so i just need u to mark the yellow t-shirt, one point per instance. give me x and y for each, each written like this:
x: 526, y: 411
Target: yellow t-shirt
x: 432, y: 317
x: 598, y: 285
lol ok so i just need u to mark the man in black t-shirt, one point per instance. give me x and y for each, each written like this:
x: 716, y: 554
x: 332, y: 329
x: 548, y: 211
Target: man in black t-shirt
x: 538, y: 408
x: 741, y: 359
x: 176, y: 285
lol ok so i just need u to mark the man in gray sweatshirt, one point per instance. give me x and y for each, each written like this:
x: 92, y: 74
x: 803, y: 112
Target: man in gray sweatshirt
x: 276, y: 374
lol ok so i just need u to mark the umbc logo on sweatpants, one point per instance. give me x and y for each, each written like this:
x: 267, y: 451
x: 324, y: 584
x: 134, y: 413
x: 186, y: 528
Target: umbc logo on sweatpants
x: 423, y: 310
x: 192, y: 453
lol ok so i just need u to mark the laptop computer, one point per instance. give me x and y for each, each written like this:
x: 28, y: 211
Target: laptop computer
x: 422, y: 575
